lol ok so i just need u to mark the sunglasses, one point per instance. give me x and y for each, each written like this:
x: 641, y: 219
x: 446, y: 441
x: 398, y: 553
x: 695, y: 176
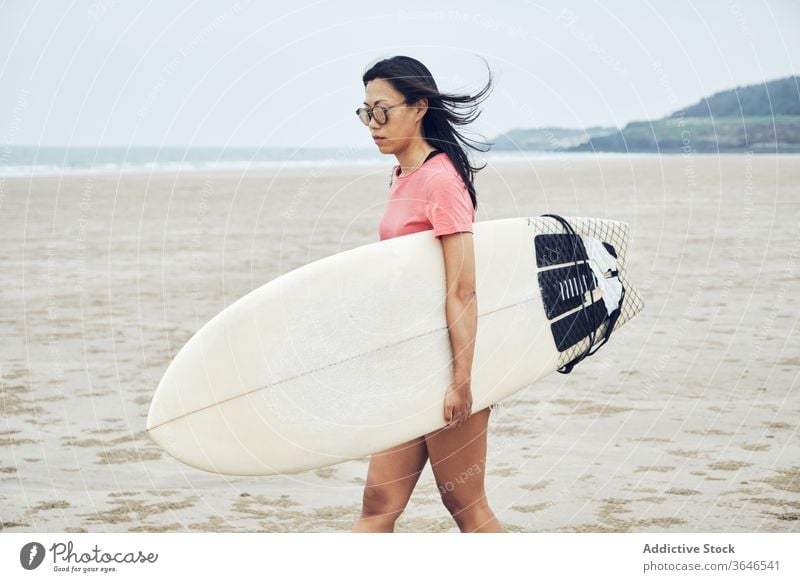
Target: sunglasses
x: 377, y: 112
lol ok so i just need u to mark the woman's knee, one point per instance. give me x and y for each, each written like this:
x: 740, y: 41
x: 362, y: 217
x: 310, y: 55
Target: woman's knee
x: 392, y: 476
x: 460, y: 504
x: 380, y: 500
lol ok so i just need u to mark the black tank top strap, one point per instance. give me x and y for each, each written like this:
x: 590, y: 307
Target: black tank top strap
x: 430, y: 155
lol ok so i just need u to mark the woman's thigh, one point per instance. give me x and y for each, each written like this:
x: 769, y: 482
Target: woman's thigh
x: 458, y: 459
x: 393, y: 473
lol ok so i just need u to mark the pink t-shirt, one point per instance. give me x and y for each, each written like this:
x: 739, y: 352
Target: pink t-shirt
x: 432, y: 197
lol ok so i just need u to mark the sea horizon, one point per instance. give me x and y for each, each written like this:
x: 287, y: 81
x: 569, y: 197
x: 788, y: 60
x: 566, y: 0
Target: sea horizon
x: 53, y: 160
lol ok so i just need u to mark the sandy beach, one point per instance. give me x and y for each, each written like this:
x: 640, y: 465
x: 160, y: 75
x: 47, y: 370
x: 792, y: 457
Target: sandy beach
x: 687, y: 421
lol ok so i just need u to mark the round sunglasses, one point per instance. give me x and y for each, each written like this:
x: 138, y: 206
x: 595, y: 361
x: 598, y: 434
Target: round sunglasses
x: 377, y: 112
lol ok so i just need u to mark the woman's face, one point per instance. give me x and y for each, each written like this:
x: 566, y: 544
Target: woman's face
x: 403, y: 126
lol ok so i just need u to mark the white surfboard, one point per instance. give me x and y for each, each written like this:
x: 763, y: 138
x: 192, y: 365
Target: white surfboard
x: 350, y: 355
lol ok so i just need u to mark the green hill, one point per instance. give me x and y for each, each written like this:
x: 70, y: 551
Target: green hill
x: 703, y: 135
x: 780, y: 97
x: 757, y: 118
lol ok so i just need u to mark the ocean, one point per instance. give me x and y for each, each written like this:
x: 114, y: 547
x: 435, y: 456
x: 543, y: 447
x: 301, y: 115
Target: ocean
x: 26, y: 160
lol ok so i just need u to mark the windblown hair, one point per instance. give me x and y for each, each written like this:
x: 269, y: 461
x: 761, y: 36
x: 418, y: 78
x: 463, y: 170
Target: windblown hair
x: 445, y: 111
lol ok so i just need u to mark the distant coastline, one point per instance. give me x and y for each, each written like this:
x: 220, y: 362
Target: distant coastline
x: 763, y: 118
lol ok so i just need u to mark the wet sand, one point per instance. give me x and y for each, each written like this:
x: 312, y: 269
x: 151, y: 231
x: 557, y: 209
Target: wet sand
x: 687, y: 421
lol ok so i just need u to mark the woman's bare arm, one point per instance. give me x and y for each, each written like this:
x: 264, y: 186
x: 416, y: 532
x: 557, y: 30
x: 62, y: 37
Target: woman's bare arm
x: 462, y: 320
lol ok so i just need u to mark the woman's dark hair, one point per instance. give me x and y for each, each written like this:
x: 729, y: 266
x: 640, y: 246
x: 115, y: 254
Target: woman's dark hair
x: 445, y: 111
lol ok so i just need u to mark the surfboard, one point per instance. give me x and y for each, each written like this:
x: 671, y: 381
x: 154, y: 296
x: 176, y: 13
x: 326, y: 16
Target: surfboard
x: 350, y: 355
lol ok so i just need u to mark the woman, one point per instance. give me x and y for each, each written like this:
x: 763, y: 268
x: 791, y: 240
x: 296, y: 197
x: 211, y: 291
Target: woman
x: 431, y: 189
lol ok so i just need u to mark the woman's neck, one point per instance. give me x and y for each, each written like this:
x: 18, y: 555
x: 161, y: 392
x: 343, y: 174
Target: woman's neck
x: 411, y: 158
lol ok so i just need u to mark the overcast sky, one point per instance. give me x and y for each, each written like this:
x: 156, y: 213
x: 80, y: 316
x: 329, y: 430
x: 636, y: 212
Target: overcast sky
x: 224, y: 73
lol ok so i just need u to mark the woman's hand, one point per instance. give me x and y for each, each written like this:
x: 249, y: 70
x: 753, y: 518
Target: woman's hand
x: 458, y: 402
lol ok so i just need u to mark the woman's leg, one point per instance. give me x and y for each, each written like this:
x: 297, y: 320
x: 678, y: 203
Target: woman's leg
x: 458, y: 459
x: 391, y: 478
